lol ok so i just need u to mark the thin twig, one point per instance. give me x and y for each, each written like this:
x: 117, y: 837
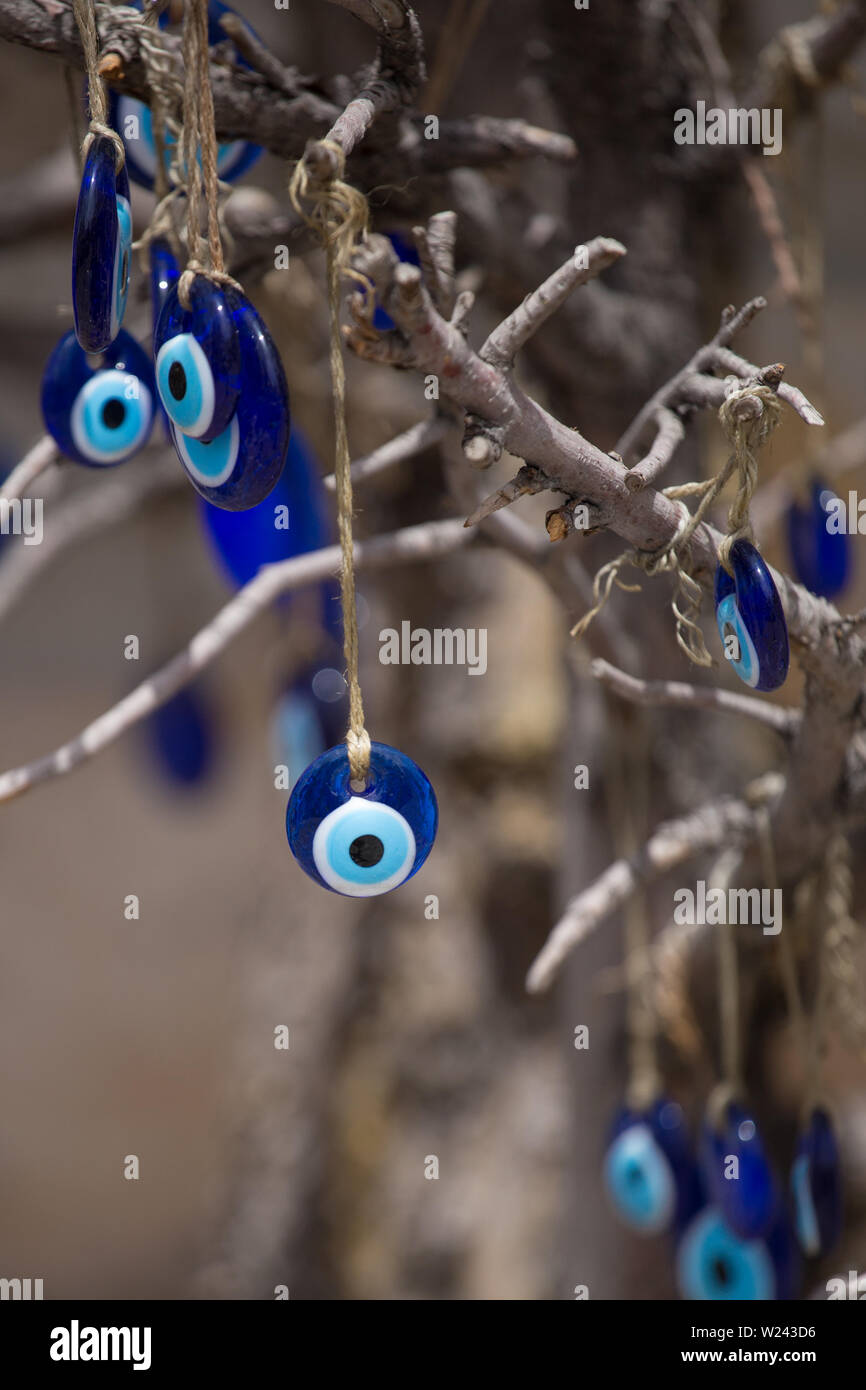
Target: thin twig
x: 727, y: 821
x: 681, y: 695
x: 404, y: 446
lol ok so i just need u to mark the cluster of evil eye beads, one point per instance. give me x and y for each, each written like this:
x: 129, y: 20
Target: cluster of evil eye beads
x: 735, y: 1233
x: 217, y: 377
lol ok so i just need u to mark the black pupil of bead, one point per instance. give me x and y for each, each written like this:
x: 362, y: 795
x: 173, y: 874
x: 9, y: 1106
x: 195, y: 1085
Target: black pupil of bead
x: 634, y: 1175
x: 113, y: 413
x: 721, y: 1271
x: 177, y: 381
x: 366, y: 851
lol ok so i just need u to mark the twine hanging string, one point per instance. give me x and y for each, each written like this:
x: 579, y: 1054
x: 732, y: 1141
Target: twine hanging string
x: 204, y: 255
x: 747, y: 431
x: 730, y: 1085
x: 85, y: 18
x: 627, y: 795
x: 338, y: 214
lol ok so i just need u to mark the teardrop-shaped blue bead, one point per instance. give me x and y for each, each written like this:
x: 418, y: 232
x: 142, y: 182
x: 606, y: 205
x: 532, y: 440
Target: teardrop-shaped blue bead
x: 749, y: 610
x: 744, y: 1191
x: 821, y: 558
x: 714, y: 1264
x: 649, y: 1169
x: 181, y: 738
x: 816, y: 1186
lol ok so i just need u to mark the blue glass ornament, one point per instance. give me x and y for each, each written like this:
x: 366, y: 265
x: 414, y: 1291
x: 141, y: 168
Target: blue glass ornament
x: 132, y: 118
x: 715, y: 1264
x: 364, y: 843
x: 649, y: 1170
x: 239, y: 467
x: 164, y: 275
x: 821, y: 559
x: 744, y: 1192
x: 99, y: 415
x: 310, y: 716
x: 748, y: 608
x: 180, y: 735
x: 101, y: 248
x: 816, y: 1185
x: 198, y: 360
x: 292, y: 520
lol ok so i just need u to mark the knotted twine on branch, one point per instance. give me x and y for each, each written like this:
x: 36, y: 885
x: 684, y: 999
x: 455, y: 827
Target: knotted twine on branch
x: 85, y: 18
x: 747, y: 430
x: 338, y: 214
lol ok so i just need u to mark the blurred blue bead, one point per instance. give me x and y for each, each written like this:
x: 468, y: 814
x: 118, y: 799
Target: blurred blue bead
x: 365, y: 843
x: 816, y: 1185
x: 233, y: 157
x: 244, y: 541
x: 307, y: 719
x: 101, y: 248
x: 748, y: 607
x: 99, y: 416
x: 181, y: 738
x: 750, y: 1201
x: 713, y: 1263
x: 164, y: 274
x: 821, y: 559
x: 649, y: 1169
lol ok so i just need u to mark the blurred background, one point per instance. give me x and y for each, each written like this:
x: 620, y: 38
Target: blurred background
x: 409, y: 1037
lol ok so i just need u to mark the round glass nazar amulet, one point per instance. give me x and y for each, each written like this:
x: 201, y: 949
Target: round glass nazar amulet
x: 363, y: 843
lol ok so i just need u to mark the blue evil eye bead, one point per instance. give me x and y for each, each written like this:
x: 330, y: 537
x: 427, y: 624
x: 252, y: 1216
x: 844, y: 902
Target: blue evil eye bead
x: 164, y: 274
x: 713, y: 1263
x: 238, y: 468
x: 738, y: 1176
x: 132, y: 118
x: 816, y: 1186
x: 309, y: 717
x: 748, y: 609
x: 292, y: 520
x: 364, y: 843
x: 820, y: 551
x: 99, y: 415
x: 198, y: 361
x: 101, y: 248
x: 181, y: 738
x: 649, y: 1171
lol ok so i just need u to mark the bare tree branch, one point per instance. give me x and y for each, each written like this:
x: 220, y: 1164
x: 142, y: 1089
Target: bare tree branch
x: 42, y: 456
x: 404, y: 446
x: 506, y: 341
x: 414, y: 543
x: 680, y: 695
x: 727, y: 821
